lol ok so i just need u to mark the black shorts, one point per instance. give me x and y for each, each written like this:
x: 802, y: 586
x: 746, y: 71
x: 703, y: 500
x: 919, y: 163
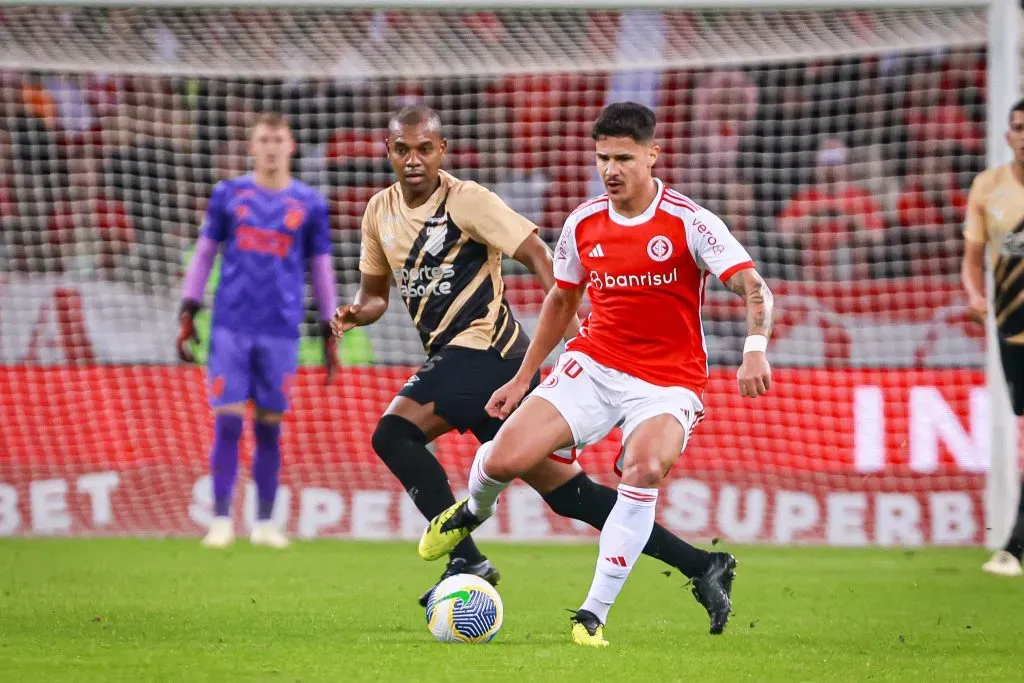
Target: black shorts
x: 1013, y: 370
x: 459, y: 382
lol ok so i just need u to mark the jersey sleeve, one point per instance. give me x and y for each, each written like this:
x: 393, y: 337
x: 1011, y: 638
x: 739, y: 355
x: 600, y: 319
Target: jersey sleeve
x: 569, y: 271
x: 318, y: 230
x: 483, y: 216
x: 372, y: 259
x: 714, y: 247
x: 974, y: 222
x: 216, y: 225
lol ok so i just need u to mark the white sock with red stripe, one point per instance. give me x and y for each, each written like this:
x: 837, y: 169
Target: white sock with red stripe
x: 622, y: 541
x: 483, y: 491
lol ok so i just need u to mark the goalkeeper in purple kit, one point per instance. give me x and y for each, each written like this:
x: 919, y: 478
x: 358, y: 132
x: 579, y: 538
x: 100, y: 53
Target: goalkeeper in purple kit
x: 266, y: 226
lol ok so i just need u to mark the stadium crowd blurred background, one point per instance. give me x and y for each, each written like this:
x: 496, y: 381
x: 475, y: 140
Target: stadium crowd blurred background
x: 806, y: 160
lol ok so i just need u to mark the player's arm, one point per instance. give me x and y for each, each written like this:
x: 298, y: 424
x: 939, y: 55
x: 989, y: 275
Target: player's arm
x: 213, y: 233
x: 558, y: 312
x: 754, y: 374
x: 321, y: 266
x: 487, y: 219
x: 972, y: 268
x: 369, y: 305
x: 724, y: 256
x: 371, y: 301
x: 536, y: 256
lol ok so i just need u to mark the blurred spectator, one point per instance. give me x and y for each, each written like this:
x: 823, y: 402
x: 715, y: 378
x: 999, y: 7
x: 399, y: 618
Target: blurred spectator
x: 38, y: 101
x: 833, y: 194
x: 934, y: 114
x: 930, y: 210
x: 834, y: 220
x: 89, y: 229
x: 724, y: 109
x: 71, y: 105
x: 931, y: 197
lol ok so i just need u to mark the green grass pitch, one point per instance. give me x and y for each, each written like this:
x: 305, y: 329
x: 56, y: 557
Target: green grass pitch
x: 167, y: 610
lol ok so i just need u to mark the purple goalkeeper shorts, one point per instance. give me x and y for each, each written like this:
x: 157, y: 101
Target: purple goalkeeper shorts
x: 243, y: 367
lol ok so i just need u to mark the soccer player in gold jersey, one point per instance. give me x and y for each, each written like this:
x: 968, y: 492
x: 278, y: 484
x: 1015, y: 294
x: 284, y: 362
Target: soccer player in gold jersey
x: 995, y: 229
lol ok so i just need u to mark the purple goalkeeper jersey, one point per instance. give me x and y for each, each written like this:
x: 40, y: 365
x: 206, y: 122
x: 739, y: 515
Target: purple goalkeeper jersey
x: 267, y: 237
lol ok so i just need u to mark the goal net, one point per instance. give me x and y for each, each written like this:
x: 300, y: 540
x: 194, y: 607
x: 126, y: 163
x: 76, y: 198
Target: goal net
x: 837, y: 144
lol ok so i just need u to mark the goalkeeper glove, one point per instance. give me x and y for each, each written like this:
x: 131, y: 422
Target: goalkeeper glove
x: 187, y: 333
x: 330, y: 349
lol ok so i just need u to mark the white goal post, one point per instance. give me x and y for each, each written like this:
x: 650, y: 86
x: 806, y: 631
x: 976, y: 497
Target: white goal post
x: 764, y: 38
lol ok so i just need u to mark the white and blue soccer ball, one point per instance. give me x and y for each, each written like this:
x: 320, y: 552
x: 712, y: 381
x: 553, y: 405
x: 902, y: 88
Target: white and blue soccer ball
x: 464, y: 609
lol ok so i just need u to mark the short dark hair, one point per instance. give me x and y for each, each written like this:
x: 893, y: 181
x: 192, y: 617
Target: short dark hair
x: 1018, y: 106
x: 625, y: 120
x: 414, y: 115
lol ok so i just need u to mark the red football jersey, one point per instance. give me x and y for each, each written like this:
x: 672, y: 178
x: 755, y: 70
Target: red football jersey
x: 646, y: 278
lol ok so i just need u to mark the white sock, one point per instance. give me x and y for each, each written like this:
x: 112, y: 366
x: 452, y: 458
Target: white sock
x: 622, y: 542
x: 483, y: 491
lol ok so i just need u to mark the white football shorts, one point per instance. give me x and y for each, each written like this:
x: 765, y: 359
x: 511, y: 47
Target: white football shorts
x: 594, y: 399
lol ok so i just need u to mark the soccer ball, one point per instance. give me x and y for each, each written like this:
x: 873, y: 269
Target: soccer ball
x: 464, y: 609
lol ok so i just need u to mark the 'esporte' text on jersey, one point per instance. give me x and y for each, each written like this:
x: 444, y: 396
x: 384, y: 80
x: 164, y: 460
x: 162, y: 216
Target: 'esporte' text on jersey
x: 445, y: 256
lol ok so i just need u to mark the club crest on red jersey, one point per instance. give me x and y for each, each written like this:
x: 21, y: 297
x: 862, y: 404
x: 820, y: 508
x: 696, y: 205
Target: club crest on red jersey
x: 659, y: 248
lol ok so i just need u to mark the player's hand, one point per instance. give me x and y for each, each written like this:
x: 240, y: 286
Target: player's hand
x: 754, y: 375
x: 330, y: 350
x: 979, y: 307
x: 187, y: 333
x: 345, y: 318
x: 506, y: 398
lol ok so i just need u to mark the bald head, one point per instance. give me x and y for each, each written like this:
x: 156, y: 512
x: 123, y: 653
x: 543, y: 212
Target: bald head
x: 419, y: 115
x: 416, y: 150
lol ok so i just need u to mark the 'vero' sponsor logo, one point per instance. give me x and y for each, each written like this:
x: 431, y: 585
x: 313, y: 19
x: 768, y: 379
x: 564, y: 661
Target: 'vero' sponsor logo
x: 706, y: 235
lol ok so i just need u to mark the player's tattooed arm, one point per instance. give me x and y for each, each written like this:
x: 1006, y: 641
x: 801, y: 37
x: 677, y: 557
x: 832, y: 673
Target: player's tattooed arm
x: 754, y: 376
x: 749, y: 284
x: 535, y: 255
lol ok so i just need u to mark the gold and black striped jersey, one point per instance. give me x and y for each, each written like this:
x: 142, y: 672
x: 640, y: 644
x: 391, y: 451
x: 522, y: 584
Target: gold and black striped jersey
x: 445, y: 256
x: 995, y: 217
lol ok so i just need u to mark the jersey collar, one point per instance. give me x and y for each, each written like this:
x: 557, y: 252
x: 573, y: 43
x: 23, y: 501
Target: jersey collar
x: 647, y: 215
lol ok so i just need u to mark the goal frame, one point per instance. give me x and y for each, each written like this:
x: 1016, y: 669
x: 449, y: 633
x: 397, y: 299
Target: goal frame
x: 1002, y: 90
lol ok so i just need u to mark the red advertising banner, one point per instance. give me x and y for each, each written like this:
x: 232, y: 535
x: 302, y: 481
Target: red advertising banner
x: 845, y: 457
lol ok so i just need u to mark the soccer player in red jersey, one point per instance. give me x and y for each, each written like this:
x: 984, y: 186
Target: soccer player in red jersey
x: 644, y: 252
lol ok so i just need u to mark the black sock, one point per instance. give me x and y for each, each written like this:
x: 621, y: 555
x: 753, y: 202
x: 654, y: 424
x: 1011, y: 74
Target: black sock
x: 584, y: 499
x: 402, y: 446
x: 1015, y: 546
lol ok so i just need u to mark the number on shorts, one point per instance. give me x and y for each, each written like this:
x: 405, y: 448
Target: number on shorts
x: 572, y: 369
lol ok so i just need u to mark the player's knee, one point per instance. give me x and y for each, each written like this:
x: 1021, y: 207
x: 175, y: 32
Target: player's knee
x: 392, y: 434
x: 644, y: 472
x: 230, y: 409
x: 268, y: 416
x: 502, y: 466
x: 511, y: 455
